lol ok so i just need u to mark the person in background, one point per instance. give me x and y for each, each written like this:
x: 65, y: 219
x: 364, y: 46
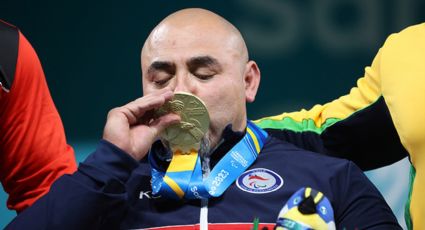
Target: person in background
x: 33, y: 148
x: 378, y: 123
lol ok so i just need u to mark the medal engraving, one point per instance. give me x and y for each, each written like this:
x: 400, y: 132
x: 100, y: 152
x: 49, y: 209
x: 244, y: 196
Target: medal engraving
x: 194, y: 122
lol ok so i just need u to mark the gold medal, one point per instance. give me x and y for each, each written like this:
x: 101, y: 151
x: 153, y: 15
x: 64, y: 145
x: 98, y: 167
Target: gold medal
x: 187, y: 134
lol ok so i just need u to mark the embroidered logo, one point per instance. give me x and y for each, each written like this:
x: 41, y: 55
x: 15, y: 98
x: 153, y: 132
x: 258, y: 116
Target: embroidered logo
x: 259, y: 180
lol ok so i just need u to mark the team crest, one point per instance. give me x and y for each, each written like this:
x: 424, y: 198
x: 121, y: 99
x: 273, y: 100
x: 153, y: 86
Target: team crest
x: 259, y: 180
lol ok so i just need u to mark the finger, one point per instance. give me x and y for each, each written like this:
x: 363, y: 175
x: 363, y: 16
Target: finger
x: 160, y: 124
x: 136, y: 109
x: 167, y: 93
x: 152, y: 101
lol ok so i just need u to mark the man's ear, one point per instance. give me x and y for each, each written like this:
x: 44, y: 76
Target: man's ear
x: 252, y: 80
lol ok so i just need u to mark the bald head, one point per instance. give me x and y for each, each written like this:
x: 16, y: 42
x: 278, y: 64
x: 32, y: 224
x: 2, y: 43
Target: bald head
x: 196, y: 23
x: 198, y: 52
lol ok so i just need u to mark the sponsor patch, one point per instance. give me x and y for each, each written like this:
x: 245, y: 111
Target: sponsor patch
x: 259, y: 180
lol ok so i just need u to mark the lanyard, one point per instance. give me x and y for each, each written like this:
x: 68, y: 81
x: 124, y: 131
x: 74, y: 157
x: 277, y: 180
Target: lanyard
x: 183, y: 178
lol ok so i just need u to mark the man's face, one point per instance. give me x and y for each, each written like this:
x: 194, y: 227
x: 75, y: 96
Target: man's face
x: 202, y: 62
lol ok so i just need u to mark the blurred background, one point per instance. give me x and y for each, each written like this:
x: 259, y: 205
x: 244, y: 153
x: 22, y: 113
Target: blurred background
x: 308, y: 51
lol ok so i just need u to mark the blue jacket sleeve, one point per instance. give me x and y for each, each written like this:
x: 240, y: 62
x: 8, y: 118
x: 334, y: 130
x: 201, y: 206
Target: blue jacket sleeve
x: 84, y: 200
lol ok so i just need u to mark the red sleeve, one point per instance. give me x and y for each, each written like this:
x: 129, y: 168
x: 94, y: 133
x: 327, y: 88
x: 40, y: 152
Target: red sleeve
x: 33, y: 148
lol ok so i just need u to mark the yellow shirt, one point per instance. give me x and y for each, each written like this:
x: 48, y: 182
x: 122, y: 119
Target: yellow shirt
x: 395, y: 80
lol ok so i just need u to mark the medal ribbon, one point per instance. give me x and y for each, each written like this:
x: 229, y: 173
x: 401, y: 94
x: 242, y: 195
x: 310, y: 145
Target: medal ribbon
x: 183, y: 178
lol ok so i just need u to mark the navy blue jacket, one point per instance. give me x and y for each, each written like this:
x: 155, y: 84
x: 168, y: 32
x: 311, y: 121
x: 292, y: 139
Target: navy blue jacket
x: 110, y: 190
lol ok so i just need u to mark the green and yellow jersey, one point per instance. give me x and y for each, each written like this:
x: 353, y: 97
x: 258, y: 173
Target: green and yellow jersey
x: 379, y: 122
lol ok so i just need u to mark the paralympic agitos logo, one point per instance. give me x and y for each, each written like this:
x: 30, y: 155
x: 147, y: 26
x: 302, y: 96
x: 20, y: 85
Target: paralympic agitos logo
x: 259, y: 180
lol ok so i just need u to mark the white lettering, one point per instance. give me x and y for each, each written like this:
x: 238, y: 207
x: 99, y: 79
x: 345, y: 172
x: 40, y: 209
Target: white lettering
x: 145, y: 194
x: 195, y: 192
x: 239, y: 158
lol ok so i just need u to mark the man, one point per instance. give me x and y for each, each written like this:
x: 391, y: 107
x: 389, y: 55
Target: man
x: 242, y: 174
x: 378, y: 123
x: 33, y: 149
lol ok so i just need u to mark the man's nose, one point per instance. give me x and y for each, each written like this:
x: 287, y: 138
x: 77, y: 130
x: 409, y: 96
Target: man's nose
x: 184, y: 83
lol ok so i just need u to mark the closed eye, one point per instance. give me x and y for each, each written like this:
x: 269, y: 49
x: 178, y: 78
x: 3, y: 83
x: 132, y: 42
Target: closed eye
x: 204, y: 67
x: 204, y: 76
x: 160, y: 72
x: 161, y: 81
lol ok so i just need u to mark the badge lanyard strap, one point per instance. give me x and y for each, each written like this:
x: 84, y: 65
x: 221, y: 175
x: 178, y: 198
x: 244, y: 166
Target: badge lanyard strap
x: 181, y: 181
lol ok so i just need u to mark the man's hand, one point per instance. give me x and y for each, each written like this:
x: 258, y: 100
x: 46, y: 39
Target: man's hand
x: 133, y: 128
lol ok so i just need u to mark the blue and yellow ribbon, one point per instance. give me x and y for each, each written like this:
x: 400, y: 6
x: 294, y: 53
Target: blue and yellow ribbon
x: 183, y: 178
